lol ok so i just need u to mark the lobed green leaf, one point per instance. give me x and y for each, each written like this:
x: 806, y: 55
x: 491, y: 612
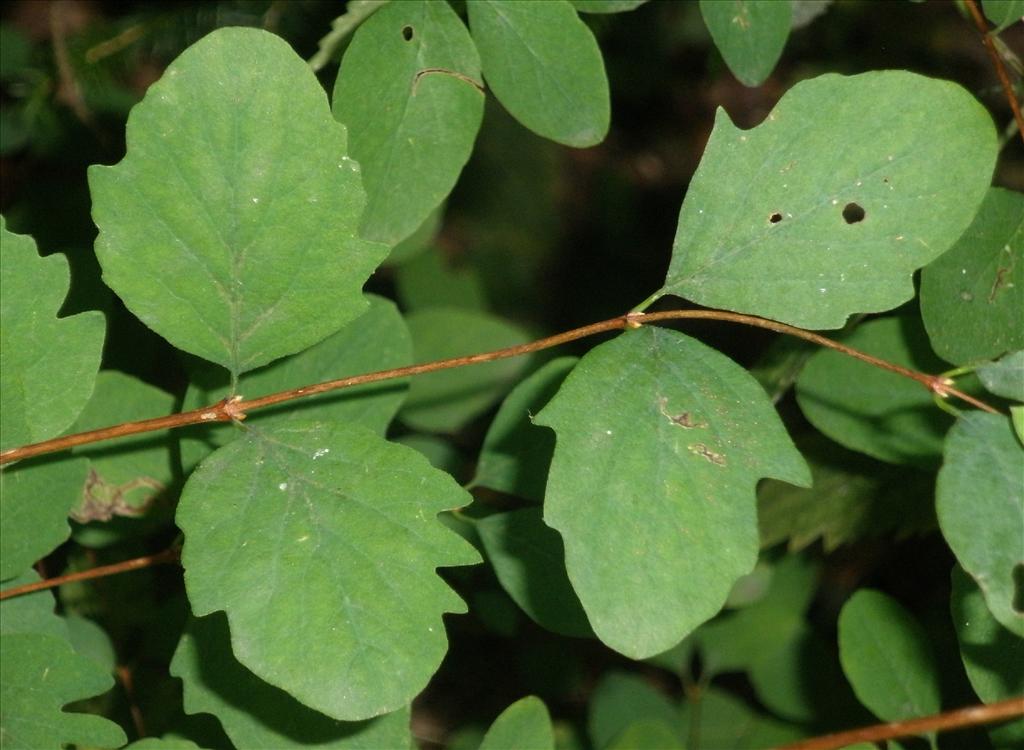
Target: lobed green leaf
x: 827, y: 207
x: 47, y: 364
x: 40, y: 675
x: 330, y: 520
x: 230, y: 226
x: 660, y: 442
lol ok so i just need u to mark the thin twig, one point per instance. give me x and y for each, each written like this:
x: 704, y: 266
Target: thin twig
x: 170, y: 555
x: 236, y: 408
x: 997, y: 63
x: 957, y: 719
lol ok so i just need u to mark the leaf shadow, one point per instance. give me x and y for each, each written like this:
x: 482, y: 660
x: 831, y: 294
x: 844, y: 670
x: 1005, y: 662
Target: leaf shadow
x: 274, y: 709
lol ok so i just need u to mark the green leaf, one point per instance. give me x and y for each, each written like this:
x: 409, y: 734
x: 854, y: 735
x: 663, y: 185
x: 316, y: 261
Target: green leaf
x: 740, y: 640
x: 992, y: 655
x: 972, y: 295
x: 445, y: 400
x: 1003, y: 13
x: 1017, y: 418
x: 529, y: 560
x: 377, y: 340
x: 356, y: 11
x: 750, y: 34
x: 230, y: 226
x: 516, y: 453
x: 331, y: 520
x: 430, y: 280
x: 871, y: 410
x: 47, y: 364
x: 660, y: 443
x: 1006, y: 377
x: 647, y: 733
x: 163, y: 743
x: 407, y: 91
x: 853, y: 497
x: 35, y: 499
x: 417, y: 242
x: 31, y: 613
x: 721, y: 721
x: 255, y: 714
x: 41, y: 674
x: 887, y: 657
x: 763, y: 231
x: 606, y: 6
x: 619, y: 700
x: 524, y: 724
x: 979, y: 500
x: 803, y: 681
x: 545, y: 67
x: 126, y: 476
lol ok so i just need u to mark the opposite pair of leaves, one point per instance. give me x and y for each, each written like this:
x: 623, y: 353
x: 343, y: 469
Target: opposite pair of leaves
x: 41, y: 673
x: 409, y: 92
x: 230, y: 228
x: 48, y: 369
x: 377, y: 340
x: 828, y: 207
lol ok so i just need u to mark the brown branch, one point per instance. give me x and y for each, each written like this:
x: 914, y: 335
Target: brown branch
x: 170, y: 555
x: 235, y: 408
x: 997, y: 63
x: 956, y: 719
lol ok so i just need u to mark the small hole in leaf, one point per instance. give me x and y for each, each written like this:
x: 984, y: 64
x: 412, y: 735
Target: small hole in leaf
x: 775, y: 218
x: 407, y: 33
x: 852, y: 213
x: 1018, y: 587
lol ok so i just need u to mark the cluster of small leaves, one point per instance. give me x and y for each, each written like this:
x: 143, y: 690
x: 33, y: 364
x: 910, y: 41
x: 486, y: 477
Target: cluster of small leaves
x: 241, y: 227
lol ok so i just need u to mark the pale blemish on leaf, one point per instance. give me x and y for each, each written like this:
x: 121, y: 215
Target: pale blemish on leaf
x: 699, y: 449
x: 683, y: 419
